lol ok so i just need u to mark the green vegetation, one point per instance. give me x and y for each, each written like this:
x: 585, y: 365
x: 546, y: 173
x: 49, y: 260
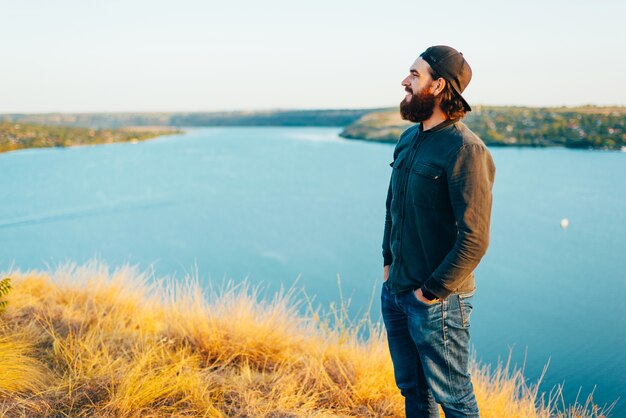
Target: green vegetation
x: 14, y: 136
x: 18, y: 131
x: 582, y: 127
x: 579, y: 127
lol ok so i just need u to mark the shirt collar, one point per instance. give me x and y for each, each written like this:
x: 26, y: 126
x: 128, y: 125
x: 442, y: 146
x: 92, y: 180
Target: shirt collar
x: 439, y: 127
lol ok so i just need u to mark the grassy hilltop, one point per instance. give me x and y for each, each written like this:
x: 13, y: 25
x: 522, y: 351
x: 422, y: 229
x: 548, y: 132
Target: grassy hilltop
x: 86, y: 342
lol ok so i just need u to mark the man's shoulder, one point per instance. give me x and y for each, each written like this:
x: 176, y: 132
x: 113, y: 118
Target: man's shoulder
x: 462, y: 143
x: 465, y: 136
x: 470, y: 150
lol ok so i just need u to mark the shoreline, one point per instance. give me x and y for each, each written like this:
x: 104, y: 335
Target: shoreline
x: 495, y: 145
x: 577, y: 128
x: 131, y: 135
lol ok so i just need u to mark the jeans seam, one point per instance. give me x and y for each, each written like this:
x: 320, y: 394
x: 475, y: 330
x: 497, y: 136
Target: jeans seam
x: 446, y: 349
x: 396, y: 301
x: 461, y: 310
x: 443, y: 321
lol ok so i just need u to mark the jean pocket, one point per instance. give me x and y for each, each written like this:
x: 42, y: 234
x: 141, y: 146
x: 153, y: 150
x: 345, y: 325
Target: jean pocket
x: 414, y: 296
x: 465, y: 307
x: 466, y: 294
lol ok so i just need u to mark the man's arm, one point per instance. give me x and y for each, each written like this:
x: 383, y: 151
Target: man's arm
x: 470, y: 181
x: 387, y: 257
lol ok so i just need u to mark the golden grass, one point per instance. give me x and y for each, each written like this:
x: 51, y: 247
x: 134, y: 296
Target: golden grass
x: 86, y: 342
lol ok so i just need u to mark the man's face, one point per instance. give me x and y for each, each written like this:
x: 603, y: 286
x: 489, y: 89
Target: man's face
x: 419, y: 103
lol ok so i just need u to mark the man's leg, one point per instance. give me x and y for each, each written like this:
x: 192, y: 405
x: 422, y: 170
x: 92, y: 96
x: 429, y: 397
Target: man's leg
x: 407, y: 365
x: 441, y: 334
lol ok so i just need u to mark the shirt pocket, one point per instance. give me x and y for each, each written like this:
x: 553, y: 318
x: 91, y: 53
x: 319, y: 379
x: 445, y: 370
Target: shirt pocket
x: 397, y: 163
x: 428, y: 185
x: 397, y: 174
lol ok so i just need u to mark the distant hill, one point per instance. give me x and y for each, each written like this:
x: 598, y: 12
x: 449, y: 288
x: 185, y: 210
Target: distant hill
x: 576, y: 127
x: 336, y: 117
x: 14, y: 136
x: 19, y: 131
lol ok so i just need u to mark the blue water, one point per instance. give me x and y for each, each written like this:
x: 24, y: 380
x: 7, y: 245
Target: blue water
x: 278, y: 204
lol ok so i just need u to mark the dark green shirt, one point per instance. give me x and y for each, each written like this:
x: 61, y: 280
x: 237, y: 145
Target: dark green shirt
x: 438, y: 209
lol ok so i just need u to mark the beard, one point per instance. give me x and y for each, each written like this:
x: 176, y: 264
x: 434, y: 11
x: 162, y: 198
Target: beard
x: 419, y: 108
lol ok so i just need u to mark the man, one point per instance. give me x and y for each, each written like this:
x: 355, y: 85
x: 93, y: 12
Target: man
x: 436, y: 232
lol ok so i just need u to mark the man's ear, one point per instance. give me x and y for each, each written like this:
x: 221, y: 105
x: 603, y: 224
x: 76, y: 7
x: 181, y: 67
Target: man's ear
x: 438, y: 86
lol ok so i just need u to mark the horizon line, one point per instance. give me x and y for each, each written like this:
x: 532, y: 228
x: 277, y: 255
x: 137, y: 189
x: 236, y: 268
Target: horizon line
x: 295, y: 109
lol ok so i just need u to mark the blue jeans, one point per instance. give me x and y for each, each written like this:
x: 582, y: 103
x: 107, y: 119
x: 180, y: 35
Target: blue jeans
x: 429, y: 345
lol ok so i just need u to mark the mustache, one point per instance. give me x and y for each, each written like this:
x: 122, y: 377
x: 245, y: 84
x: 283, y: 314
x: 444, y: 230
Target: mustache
x: 408, y: 90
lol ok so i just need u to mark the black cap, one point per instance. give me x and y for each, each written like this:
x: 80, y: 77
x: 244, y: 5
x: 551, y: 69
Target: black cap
x: 451, y: 65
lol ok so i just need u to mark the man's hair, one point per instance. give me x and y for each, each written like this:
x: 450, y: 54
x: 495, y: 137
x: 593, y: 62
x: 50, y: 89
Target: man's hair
x: 451, y: 104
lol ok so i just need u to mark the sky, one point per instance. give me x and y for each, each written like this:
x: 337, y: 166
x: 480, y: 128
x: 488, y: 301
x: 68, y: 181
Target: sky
x: 187, y: 55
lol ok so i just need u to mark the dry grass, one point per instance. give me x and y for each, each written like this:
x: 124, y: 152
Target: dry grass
x: 84, y: 342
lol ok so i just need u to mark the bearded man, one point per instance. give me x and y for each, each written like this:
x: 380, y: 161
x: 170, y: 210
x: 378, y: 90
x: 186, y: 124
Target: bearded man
x: 436, y: 233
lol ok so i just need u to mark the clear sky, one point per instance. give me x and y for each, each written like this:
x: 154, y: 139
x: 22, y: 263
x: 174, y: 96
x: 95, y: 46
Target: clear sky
x: 188, y: 55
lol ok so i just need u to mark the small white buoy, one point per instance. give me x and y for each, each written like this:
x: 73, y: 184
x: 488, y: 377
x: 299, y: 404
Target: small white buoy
x: 564, y: 223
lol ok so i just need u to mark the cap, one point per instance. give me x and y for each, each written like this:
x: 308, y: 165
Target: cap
x: 451, y: 65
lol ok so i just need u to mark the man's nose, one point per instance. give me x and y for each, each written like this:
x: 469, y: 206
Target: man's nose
x: 405, y: 82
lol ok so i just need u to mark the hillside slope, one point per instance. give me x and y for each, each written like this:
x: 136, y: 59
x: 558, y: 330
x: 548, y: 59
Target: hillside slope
x: 89, y: 342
